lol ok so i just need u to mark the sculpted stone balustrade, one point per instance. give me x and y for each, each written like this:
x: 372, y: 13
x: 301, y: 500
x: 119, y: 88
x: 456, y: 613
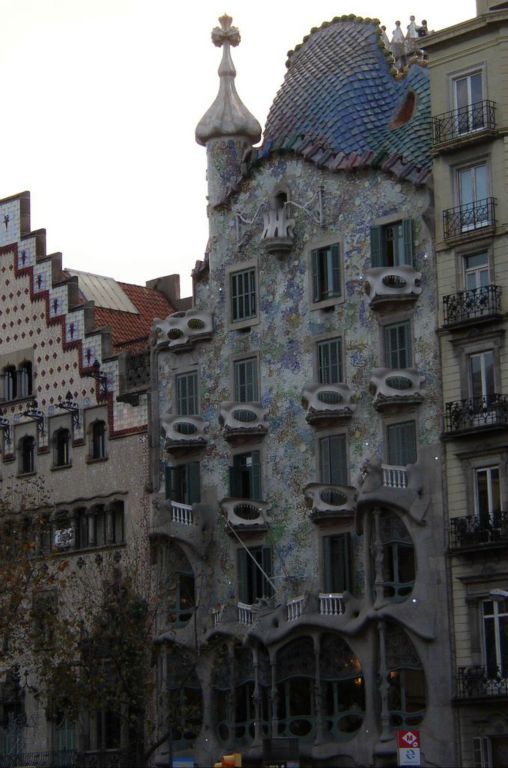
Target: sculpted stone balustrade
x: 183, y: 432
x: 392, y: 284
x: 324, y: 402
x: 243, y: 420
x: 182, y: 330
x: 246, y: 515
x: 330, y: 501
x: 391, y: 386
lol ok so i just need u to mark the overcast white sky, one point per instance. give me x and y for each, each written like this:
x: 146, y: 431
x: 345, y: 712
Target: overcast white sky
x: 100, y: 99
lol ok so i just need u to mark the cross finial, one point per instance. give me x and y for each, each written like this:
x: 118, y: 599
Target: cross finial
x: 225, y: 34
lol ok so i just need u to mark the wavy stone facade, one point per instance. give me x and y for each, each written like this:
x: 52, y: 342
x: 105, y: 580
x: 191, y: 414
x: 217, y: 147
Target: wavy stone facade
x: 307, y: 543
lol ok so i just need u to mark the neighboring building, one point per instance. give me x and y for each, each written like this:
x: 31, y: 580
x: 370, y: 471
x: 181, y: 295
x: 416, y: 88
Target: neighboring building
x: 299, y: 522
x: 74, y: 374
x: 468, y: 72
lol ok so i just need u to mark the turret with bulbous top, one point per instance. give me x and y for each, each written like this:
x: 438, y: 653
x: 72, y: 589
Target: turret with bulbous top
x: 227, y: 129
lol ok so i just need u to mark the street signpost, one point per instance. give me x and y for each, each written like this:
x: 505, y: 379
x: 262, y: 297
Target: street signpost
x: 408, y: 743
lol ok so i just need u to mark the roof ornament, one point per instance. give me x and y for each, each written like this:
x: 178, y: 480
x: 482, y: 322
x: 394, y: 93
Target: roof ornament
x: 405, y: 47
x: 227, y: 116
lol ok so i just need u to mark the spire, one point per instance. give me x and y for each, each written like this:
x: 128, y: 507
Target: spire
x: 227, y: 116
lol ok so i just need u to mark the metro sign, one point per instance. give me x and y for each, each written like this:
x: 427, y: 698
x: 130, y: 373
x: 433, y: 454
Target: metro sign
x: 408, y: 743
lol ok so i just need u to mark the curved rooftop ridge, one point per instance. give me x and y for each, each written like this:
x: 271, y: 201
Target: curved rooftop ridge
x: 342, y: 99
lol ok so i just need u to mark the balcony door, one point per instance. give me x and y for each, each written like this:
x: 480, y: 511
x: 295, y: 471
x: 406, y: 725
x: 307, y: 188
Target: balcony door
x: 481, y: 377
x: 487, y: 496
x: 476, y: 271
x: 468, y: 98
x: 473, y: 189
x: 495, y: 636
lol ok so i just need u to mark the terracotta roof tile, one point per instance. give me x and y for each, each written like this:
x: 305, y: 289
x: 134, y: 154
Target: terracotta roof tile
x: 130, y: 331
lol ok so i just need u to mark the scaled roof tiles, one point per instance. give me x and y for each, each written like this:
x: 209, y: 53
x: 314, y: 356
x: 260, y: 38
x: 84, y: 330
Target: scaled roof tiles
x: 343, y: 106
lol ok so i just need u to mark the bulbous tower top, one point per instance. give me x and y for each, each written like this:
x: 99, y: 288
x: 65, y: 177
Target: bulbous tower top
x: 228, y: 116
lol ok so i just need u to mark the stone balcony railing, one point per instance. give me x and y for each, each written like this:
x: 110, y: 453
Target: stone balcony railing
x: 392, y: 387
x: 188, y: 523
x: 243, y: 420
x: 246, y: 515
x: 182, y: 330
x: 471, y: 306
x: 295, y: 608
x: 394, y: 477
x: 479, y: 682
x: 328, y: 402
x: 330, y: 501
x: 392, y: 285
x: 185, y: 432
x: 331, y: 603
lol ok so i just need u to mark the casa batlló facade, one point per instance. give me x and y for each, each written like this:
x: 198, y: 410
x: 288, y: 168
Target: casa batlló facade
x: 299, y: 512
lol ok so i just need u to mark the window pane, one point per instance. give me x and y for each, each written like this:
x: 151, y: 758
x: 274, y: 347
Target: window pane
x: 476, y: 271
x: 245, y: 380
x: 330, y: 361
x: 243, y: 294
x: 326, y: 273
x: 333, y: 460
x: 402, y: 443
x: 187, y: 394
x: 398, y: 345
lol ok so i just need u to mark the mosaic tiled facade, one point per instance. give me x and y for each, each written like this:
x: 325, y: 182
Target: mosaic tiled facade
x: 299, y: 470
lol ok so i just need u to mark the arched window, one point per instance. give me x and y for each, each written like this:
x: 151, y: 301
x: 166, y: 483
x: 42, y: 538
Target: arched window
x: 406, y: 679
x: 234, y: 683
x: 296, y: 665
x: 177, y: 581
x: 185, y: 702
x: 98, y: 440
x: 10, y: 389
x: 61, y: 448
x: 24, y: 375
x: 26, y: 455
x: 342, y: 688
x: 399, y: 567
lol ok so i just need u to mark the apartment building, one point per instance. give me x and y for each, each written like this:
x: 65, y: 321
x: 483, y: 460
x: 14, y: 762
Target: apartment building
x: 468, y: 66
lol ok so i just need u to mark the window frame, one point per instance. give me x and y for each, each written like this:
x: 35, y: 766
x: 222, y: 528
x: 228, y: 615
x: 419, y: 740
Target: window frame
x: 325, y: 468
x: 322, y: 344
x: 97, y: 441
x: 61, y: 440
x: 389, y: 353
x: 253, y: 475
x: 318, y: 301
x: 255, y: 384
x: 249, y: 576
x: 187, y: 404
x: 190, y: 482
x: 389, y: 427
x: 464, y: 271
x: 238, y: 323
x: 379, y: 256
x: 496, y: 615
x: 22, y: 467
x: 331, y: 573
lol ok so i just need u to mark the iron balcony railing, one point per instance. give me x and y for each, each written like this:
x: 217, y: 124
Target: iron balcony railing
x: 471, y: 530
x: 477, y: 682
x: 464, y: 122
x: 476, y: 413
x: 469, y: 217
x: 475, y: 304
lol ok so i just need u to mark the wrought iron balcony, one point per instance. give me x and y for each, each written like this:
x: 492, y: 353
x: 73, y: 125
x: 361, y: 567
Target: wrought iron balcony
x: 470, y: 531
x: 471, y: 217
x: 475, y: 304
x: 464, y: 125
x: 476, y: 682
x: 476, y: 413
